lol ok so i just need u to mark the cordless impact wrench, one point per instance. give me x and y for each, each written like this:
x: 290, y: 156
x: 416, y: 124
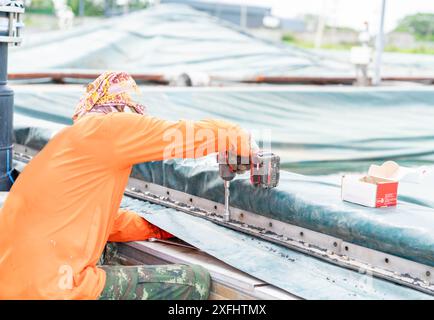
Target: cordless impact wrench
x: 264, y: 171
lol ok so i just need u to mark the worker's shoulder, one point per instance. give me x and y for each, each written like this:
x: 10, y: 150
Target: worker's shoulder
x: 110, y: 124
x: 124, y: 117
x: 99, y: 119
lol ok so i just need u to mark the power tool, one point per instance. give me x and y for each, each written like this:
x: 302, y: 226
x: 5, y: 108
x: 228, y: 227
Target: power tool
x: 264, y: 171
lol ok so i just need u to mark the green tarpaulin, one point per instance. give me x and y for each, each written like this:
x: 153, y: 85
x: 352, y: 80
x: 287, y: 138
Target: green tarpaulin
x: 314, y: 130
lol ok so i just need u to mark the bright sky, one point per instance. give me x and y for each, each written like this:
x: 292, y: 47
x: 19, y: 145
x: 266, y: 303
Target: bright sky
x: 351, y: 13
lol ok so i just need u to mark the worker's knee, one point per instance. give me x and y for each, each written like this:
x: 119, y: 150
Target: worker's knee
x: 173, y: 282
x: 201, y: 283
x: 109, y: 255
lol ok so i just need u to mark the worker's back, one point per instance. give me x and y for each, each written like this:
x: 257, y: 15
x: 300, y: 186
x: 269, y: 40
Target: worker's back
x: 58, y: 215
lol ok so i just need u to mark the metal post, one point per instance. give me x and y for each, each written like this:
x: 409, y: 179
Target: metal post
x: 320, y: 26
x: 243, y: 16
x: 81, y: 5
x: 10, y: 17
x: 6, y: 119
x: 106, y: 8
x: 126, y: 7
x: 379, y: 44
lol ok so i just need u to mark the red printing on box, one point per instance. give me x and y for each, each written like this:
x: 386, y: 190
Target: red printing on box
x: 387, y: 194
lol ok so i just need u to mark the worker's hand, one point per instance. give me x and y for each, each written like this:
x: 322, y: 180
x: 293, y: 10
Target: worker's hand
x: 241, y: 168
x: 237, y: 164
x: 235, y: 160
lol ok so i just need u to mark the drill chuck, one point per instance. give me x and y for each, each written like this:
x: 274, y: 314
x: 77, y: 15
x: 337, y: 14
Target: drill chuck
x: 265, y: 169
x: 264, y: 172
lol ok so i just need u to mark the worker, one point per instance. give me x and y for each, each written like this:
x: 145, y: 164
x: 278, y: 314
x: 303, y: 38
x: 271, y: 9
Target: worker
x: 64, y: 206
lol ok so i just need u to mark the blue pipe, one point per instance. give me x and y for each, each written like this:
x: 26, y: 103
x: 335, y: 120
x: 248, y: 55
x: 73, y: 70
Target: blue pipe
x: 8, y: 168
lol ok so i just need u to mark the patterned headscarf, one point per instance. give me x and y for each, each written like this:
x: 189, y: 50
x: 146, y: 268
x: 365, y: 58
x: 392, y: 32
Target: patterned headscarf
x: 108, y: 93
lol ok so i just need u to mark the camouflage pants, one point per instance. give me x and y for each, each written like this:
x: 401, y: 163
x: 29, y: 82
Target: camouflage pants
x: 155, y: 282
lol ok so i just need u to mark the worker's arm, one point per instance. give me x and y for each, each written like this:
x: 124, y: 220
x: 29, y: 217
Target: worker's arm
x: 129, y: 226
x: 138, y: 138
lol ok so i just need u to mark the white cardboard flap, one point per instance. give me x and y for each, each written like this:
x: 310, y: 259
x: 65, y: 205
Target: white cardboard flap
x: 390, y: 170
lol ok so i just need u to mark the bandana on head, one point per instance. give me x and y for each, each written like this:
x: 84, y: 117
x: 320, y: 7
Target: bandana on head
x: 108, y: 93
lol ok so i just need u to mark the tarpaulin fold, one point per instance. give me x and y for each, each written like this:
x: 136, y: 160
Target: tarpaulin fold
x: 315, y: 131
x: 171, y: 39
x: 168, y: 39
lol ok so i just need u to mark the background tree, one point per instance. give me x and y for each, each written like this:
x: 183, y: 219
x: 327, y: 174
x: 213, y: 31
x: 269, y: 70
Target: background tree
x: 420, y: 25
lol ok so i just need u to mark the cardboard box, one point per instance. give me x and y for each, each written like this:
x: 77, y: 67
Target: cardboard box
x: 377, y: 189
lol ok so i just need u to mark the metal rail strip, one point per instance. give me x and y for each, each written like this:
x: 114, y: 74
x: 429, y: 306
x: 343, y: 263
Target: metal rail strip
x: 61, y: 77
x: 322, y: 246
x: 331, y: 249
x: 333, y: 80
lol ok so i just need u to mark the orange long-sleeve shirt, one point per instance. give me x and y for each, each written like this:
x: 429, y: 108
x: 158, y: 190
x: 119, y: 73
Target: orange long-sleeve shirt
x: 64, y: 206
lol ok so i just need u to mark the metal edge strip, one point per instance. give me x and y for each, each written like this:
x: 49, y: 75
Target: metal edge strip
x: 323, y: 246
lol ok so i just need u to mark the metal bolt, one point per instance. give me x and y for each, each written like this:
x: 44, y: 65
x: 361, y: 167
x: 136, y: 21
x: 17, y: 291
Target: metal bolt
x: 428, y: 273
x: 335, y: 244
x: 386, y: 260
x: 301, y: 233
x: 346, y: 248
